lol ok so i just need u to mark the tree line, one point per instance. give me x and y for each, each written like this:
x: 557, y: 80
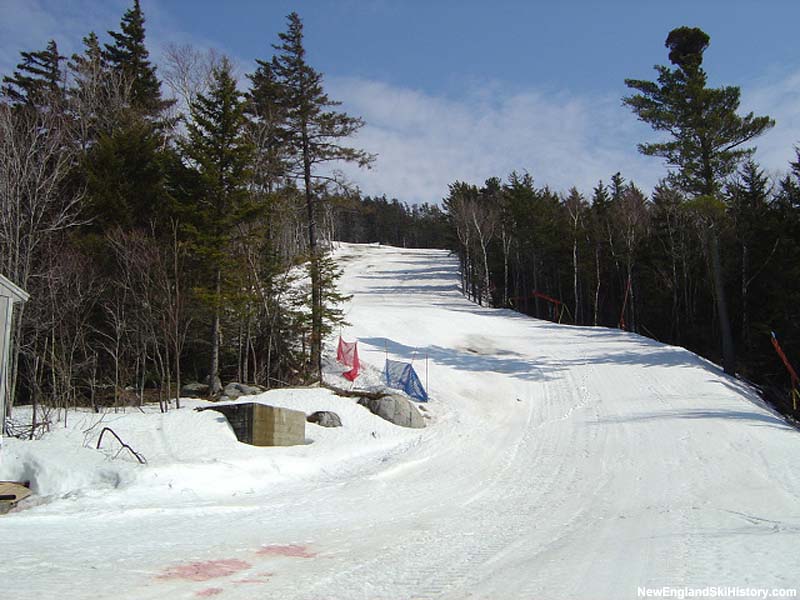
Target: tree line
x: 167, y: 236
x: 710, y: 260
x: 370, y: 219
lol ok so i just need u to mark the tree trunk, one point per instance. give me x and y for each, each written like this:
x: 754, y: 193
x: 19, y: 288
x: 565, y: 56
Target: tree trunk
x: 239, y: 370
x: 506, y: 251
x: 486, y: 281
x: 632, y: 300
x: 597, y: 286
x: 246, y: 366
x: 35, y: 396
x: 167, y: 373
x: 269, y: 360
x: 675, y: 332
x: 745, y: 285
x: 177, y: 319
x: 316, y: 291
x: 575, y: 277
x: 728, y: 351
x: 144, y: 371
x: 213, y: 375
x: 16, y: 347
x: 536, y: 288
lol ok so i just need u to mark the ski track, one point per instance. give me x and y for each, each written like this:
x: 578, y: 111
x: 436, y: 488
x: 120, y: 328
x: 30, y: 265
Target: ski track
x: 561, y: 462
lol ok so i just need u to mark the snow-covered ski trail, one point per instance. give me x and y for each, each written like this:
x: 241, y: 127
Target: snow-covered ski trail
x: 560, y: 462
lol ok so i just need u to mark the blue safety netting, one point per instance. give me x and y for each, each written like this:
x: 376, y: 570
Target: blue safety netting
x: 402, y: 376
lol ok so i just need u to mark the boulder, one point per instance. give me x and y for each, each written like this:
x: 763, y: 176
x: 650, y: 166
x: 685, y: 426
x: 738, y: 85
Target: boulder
x: 194, y: 390
x: 217, y: 381
x: 395, y: 409
x: 325, y: 418
x: 233, y: 390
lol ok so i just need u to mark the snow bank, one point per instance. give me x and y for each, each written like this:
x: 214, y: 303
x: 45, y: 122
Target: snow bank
x: 194, y: 454
x: 60, y: 465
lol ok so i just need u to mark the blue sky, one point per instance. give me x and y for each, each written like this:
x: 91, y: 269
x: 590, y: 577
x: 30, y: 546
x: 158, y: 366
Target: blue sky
x: 466, y: 90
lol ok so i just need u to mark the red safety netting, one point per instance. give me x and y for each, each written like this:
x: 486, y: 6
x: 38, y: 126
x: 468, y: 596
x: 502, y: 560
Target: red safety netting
x: 787, y: 364
x: 347, y: 354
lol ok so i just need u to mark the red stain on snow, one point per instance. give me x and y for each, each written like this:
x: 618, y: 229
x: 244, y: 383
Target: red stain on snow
x: 209, y: 592
x: 205, y: 570
x: 251, y: 580
x: 293, y: 550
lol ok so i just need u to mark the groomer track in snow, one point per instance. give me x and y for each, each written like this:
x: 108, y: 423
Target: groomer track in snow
x: 559, y: 462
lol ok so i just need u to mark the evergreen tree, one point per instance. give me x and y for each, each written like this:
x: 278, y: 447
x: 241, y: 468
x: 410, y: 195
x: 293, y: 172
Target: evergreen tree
x: 128, y: 56
x: 125, y: 178
x: 784, y: 301
x: 92, y: 57
x: 706, y: 132
x: 460, y: 205
x: 600, y: 198
x: 577, y: 208
x: 670, y: 253
x: 706, y: 135
x: 631, y: 216
x: 332, y: 299
x: 218, y: 148
x: 617, y: 186
x: 267, y: 113
x: 748, y: 202
x: 38, y: 80
x: 96, y: 94
x: 617, y: 189
x: 124, y: 166
x: 313, y: 133
x: 599, y: 225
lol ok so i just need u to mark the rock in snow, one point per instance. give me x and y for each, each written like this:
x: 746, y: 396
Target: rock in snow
x: 233, y: 390
x: 194, y: 390
x: 395, y: 409
x: 325, y: 418
x: 217, y: 381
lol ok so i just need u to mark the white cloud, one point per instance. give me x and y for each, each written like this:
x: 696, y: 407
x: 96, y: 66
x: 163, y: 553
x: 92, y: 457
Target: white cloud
x: 776, y: 96
x: 426, y: 142
x: 29, y: 24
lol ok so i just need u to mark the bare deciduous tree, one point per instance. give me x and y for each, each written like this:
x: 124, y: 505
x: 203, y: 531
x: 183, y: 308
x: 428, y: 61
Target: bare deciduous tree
x: 35, y: 203
x: 187, y: 72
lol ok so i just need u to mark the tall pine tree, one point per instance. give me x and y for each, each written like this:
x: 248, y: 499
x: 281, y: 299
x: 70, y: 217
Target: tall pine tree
x: 313, y: 131
x: 128, y: 55
x: 266, y: 110
x: 220, y: 152
x: 748, y: 204
x: 38, y: 80
x: 97, y: 95
x: 704, y: 146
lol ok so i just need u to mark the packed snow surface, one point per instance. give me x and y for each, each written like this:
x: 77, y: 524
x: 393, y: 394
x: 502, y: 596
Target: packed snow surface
x: 558, y: 462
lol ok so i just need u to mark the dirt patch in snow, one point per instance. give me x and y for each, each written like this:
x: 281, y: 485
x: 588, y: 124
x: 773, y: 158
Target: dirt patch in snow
x: 205, y: 570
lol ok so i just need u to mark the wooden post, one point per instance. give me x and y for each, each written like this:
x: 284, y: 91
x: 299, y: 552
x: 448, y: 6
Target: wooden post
x: 427, y: 390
